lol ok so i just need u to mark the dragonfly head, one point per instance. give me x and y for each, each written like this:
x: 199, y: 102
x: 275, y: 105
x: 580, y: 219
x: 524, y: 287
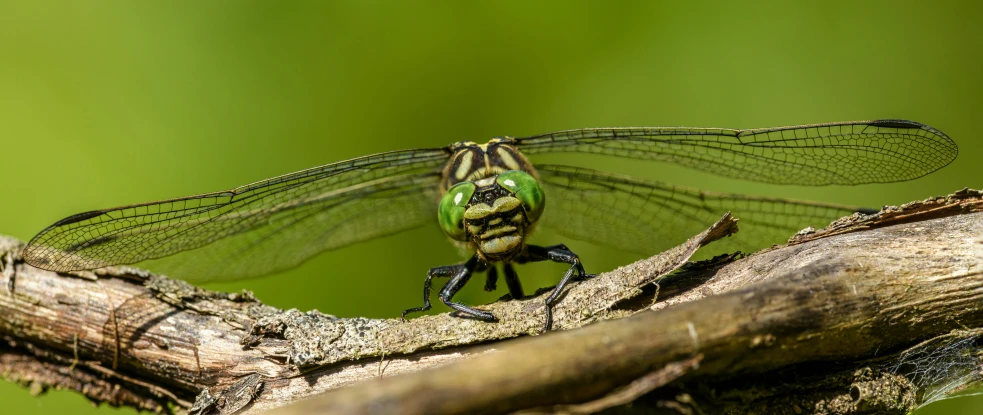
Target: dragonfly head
x: 493, y: 213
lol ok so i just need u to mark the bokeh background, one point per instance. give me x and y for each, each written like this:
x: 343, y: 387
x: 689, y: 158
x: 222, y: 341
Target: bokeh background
x: 105, y: 103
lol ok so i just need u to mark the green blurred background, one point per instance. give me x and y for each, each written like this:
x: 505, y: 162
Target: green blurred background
x: 105, y: 103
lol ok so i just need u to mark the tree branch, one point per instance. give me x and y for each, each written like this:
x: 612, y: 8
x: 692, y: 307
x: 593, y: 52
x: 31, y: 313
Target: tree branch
x: 839, y: 321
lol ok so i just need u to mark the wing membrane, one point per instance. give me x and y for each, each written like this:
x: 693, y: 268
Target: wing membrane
x: 820, y: 154
x: 648, y: 217
x: 278, y: 223
x: 255, y: 229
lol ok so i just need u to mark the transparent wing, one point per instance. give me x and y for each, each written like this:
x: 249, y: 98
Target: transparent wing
x: 820, y: 154
x: 648, y: 217
x: 255, y: 229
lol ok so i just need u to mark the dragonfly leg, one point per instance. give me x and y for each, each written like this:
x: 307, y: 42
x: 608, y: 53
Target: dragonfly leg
x: 444, y: 271
x: 491, y: 283
x: 512, y: 280
x: 456, y: 283
x: 556, y: 253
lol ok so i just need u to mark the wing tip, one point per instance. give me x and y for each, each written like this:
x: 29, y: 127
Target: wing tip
x: 52, y: 259
x: 38, y: 256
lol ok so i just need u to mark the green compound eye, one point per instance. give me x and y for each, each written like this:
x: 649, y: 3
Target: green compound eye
x: 526, y: 189
x: 450, y: 214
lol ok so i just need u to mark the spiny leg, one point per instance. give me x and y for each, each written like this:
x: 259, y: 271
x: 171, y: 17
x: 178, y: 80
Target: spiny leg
x: 556, y: 253
x: 455, y: 284
x: 512, y: 280
x: 443, y: 271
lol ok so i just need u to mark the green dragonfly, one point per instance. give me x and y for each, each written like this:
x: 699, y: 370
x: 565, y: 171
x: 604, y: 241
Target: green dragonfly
x: 488, y: 198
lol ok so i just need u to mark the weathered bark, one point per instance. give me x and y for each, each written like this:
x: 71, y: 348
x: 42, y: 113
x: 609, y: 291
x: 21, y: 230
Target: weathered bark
x: 837, y: 322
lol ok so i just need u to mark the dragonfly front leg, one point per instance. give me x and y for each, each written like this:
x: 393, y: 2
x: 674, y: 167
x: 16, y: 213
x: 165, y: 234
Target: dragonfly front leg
x: 556, y: 253
x: 456, y: 283
x: 460, y: 274
x: 443, y: 271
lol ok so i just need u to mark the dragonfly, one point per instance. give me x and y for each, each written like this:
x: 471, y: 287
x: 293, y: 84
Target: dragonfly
x: 488, y: 198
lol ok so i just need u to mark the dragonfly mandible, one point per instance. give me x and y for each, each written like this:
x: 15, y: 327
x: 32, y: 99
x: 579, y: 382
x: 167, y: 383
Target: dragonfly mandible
x: 489, y: 197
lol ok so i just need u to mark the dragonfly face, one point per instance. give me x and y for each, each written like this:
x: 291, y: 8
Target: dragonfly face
x: 489, y: 196
x: 492, y: 200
